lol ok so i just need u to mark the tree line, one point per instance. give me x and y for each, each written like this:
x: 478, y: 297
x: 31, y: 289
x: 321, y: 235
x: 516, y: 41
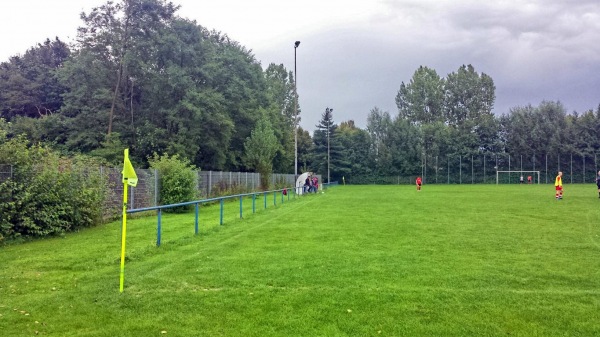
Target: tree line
x: 140, y: 76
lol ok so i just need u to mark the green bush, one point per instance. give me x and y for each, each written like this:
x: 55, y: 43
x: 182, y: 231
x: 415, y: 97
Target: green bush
x: 178, y: 180
x: 47, y: 194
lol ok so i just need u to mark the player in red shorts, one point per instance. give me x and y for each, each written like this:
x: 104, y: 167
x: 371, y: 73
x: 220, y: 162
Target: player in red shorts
x: 558, y: 185
x: 419, y: 182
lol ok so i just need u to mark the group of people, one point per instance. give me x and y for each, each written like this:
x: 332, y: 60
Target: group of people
x: 557, y: 184
x: 311, y: 184
x: 529, y: 179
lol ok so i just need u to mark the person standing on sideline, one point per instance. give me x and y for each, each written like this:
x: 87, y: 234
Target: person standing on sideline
x: 558, y: 186
x: 598, y: 183
x: 521, y: 179
x: 529, y: 179
x: 419, y: 182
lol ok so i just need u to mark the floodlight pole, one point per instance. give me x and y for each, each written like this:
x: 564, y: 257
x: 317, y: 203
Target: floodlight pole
x: 327, y: 112
x: 296, y: 44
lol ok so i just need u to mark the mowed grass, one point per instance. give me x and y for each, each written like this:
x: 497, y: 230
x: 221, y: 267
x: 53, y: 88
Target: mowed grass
x: 451, y: 260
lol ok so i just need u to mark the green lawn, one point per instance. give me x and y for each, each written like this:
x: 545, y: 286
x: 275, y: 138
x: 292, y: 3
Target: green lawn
x: 451, y: 260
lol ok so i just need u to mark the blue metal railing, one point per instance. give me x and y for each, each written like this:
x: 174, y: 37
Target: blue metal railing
x: 221, y: 201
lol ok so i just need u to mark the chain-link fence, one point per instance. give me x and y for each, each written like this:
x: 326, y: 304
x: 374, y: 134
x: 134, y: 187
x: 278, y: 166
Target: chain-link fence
x: 6, y: 172
x: 210, y: 184
x: 145, y: 194
x: 478, y: 169
x: 218, y: 183
x: 147, y: 191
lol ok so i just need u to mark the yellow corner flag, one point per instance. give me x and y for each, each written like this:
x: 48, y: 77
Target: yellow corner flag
x: 129, y: 178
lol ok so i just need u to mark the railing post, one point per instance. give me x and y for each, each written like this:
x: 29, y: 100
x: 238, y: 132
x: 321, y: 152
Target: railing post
x: 265, y: 197
x: 158, y: 228
x: 274, y: 198
x: 221, y: 217
x: 196, y: 221
x: 241, y: 198
x: 253, y: 203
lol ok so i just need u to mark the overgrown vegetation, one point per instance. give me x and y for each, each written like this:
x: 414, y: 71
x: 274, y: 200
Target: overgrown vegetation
x: 47, y: 194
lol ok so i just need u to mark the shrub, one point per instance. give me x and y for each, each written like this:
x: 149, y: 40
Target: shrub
x: 178, y: 180
x: 47, y: 194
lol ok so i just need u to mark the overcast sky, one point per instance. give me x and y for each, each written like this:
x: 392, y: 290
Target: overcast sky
x: 354, y: 55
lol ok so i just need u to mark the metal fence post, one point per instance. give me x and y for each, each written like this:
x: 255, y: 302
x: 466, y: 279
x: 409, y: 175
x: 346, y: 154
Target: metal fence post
x: 571, y: 173
x: 156, y: 187
x: 158, y: 228
x: 546, y: 168
x: 209, y: 183
x: 131, y: 197
x: 196, y: 220
x: 509, y: 174
x: 484, y: 173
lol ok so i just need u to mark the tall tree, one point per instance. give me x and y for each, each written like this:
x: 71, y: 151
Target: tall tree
x: 29, y: 86
x: 421, y: 100
x: 280, y: 89
x: 406, y: 147
x: 537, y: 130
x: 468, y: 97
x: 165, y: 85
x: 118, y: 31
x: 328, y: 150
x: 306, y: 150
x: 421, y: 103
x: 468, y: 102
x: 356, y: 149
x: 260, y: 150
x: 378, y: 126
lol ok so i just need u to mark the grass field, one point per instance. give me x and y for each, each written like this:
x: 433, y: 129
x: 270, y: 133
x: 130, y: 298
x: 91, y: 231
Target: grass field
x: 468, y: 260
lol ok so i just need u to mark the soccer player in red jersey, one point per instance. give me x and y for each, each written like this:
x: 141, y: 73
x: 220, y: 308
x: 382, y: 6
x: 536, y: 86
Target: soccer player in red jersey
x: 419, y: 182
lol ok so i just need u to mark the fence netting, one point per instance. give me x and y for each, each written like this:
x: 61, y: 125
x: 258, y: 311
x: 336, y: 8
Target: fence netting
x: 6, y: 172
x: 481, y: 169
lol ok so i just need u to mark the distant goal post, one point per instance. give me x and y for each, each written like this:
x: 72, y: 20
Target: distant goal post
x: 525, y: 174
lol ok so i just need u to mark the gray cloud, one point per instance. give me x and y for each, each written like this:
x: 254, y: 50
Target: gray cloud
x: 534, y: 51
